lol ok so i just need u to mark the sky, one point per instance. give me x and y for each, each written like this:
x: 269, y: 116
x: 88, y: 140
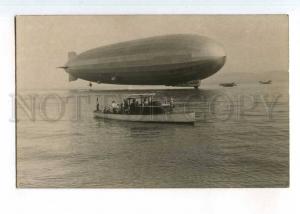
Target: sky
x: 253, y: 43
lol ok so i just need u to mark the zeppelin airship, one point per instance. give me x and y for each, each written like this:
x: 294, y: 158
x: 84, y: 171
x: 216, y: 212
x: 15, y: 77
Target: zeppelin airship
x: 170, y: 60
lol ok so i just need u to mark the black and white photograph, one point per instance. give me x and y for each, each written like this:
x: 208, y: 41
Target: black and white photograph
x: 152, y: 101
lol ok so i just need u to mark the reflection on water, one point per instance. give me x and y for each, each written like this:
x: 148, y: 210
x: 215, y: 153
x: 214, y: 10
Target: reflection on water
x: 234, y: 143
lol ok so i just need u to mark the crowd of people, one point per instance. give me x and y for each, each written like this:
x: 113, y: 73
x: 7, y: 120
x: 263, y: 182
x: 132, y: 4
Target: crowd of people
x: 126, y: 107
x: 133, y: 106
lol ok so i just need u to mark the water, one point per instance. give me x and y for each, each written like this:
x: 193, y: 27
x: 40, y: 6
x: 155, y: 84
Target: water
x: 232, y: 144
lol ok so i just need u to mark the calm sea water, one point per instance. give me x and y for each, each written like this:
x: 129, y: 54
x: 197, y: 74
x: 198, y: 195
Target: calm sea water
x: 240, y: 139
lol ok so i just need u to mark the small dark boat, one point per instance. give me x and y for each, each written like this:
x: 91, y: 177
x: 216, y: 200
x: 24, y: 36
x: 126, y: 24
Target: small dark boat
x: 231, y: 84
x: 265, y: 82
x: 144, y: 108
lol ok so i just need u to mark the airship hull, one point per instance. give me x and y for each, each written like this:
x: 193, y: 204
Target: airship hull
x: 162, y: 60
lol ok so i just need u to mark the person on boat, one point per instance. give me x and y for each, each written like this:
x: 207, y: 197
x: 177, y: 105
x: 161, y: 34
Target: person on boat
x: 97, y: 105
x: 118, y: 108
x: 125, y: 101
x: 114, y: 106
x: 146, y: 103
x: 122, y: 108
x: 126, y: 106
x: 172, y: 103
x: 106, y: 110
x: 132, y: 107
x: 137, y: 107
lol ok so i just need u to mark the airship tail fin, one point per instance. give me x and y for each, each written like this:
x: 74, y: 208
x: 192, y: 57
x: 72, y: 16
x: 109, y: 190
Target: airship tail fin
x: 72, y: 55
x: 63, y: 67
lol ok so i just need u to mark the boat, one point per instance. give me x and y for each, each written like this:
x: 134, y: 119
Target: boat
x: 231, y: 84
x: 265, y: 82
x: 144, y: 108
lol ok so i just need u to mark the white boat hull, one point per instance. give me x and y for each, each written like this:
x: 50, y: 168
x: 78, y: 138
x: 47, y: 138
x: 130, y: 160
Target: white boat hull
x: 155, y: 118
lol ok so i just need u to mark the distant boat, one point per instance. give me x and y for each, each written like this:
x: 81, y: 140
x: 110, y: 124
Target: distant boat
x: 231, y: 84
x: 144, y: 108
x: 265, y: 82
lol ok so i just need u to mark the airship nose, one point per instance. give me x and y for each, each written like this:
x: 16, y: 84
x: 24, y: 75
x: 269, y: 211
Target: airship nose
x: 210, y: 51
x: 215, y: 50
x: 216, y: 54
